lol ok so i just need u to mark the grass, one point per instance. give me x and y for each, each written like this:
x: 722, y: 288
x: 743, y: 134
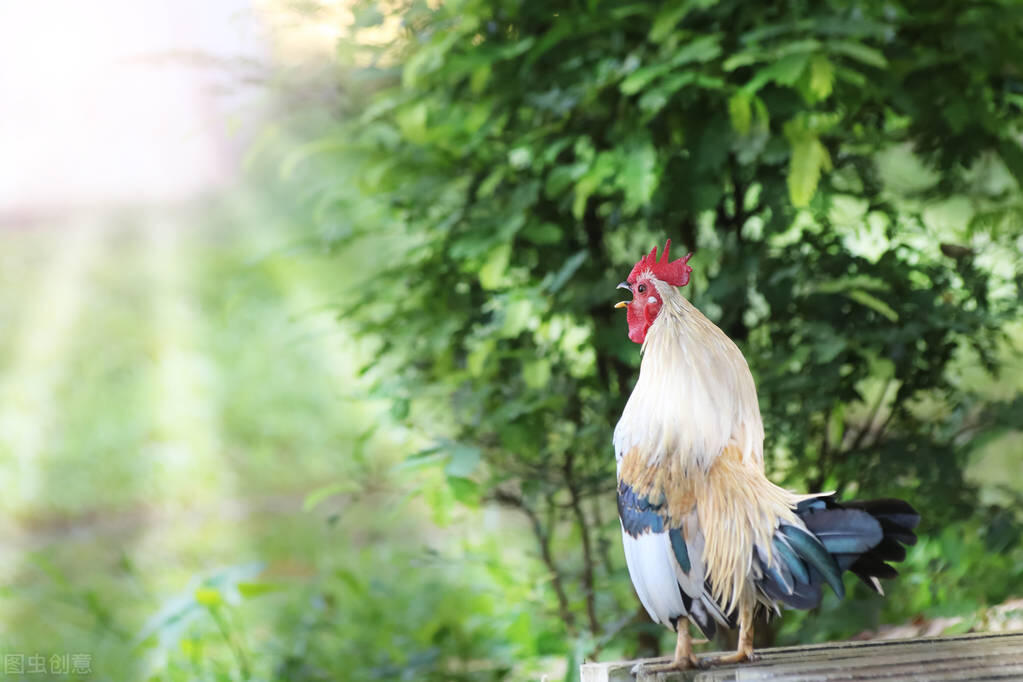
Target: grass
x: 172, y: 385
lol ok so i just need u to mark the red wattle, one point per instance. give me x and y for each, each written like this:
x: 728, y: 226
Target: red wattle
x: 640, y: 319
x: 637, y: 324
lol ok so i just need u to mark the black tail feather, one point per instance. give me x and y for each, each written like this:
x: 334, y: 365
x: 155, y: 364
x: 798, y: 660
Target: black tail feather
x: 896, y: 514
x: 897, y: 519
x: 858, y: 536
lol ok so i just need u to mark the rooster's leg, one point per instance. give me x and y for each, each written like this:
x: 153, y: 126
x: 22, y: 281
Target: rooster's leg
x: 683, y: 653
x: 745, y: 649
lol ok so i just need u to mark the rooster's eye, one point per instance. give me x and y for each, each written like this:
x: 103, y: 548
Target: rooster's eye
x: 642, y: 288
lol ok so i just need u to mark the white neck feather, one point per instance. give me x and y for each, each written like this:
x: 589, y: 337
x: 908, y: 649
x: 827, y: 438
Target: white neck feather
x: 694, y: 395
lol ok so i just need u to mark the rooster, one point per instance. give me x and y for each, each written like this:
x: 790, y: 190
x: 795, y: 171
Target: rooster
x: 708, y: 538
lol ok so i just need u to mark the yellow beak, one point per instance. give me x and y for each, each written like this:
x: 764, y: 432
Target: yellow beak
x: 623, y: 285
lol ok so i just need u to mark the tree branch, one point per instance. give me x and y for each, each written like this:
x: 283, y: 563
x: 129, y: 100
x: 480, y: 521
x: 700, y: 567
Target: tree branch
x: 584, y: 531
x: 739, y: 215
x: 862, y: 433
x: 603, y: 545
x: 510, y: 500
x: 884, y: 425
x: 824, y: 460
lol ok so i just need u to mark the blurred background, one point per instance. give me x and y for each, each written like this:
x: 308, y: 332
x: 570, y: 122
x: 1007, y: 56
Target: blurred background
x: 308, y: 360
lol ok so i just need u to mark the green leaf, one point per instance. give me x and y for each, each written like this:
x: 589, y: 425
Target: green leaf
x: 463, y: 460
x: 465, y: 490
x: 420, y: 63
x: 702, y: 49
x: 859, y: 52
x: 542, y: 233
x: 822, y: 77
x: 428, y: 58
x: 642, y: 77
x: 476, y: 361
x: 516, y: 318
x: 208, y: 596
x: 479, y: 79
x: 517, y: 48
x: 785, y: 71
x: 670, y: 14
x: 567, y: 270
x: 520, y: 157
x: 491, y: 182
x: 603, y: 168
x: 441, y: 502
x: 493, y: 271
x: 256, y: 589
x: 353, y: 582
x: 667, y: 19
x: 836, y: 424
x: 536, y: 373
x: 828, y: 346
x: 741, y: 59
x: 740, y: 110
x: 874, y: 303
x: 563, y: 177
x: 809, y: 158
x: 412, y: 122
x: 655, y: 99
x: 424, y: 459
x: 852, y: 282
x: 639, y: 176
x: 316, y: 497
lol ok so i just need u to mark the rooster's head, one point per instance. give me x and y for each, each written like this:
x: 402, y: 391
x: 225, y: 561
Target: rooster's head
x: 646, y: 300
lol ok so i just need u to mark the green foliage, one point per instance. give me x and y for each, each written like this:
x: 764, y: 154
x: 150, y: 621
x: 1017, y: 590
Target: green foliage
x: 363, y: 619
x: 198, y: 391
x: 510, y: 162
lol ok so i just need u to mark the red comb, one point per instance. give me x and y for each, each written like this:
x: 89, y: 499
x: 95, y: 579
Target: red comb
x: 674, y: 273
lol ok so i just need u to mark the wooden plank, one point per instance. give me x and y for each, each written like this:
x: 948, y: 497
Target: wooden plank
x: 997, y: 656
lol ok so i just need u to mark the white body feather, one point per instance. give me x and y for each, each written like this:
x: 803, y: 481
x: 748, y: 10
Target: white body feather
x: 654, y: 574
x: 690, y: 401
x: 694, y: 400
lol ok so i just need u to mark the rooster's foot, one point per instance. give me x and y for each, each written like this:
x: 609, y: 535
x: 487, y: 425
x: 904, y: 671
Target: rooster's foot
x: 676, y: 664
x: 740, y: 656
